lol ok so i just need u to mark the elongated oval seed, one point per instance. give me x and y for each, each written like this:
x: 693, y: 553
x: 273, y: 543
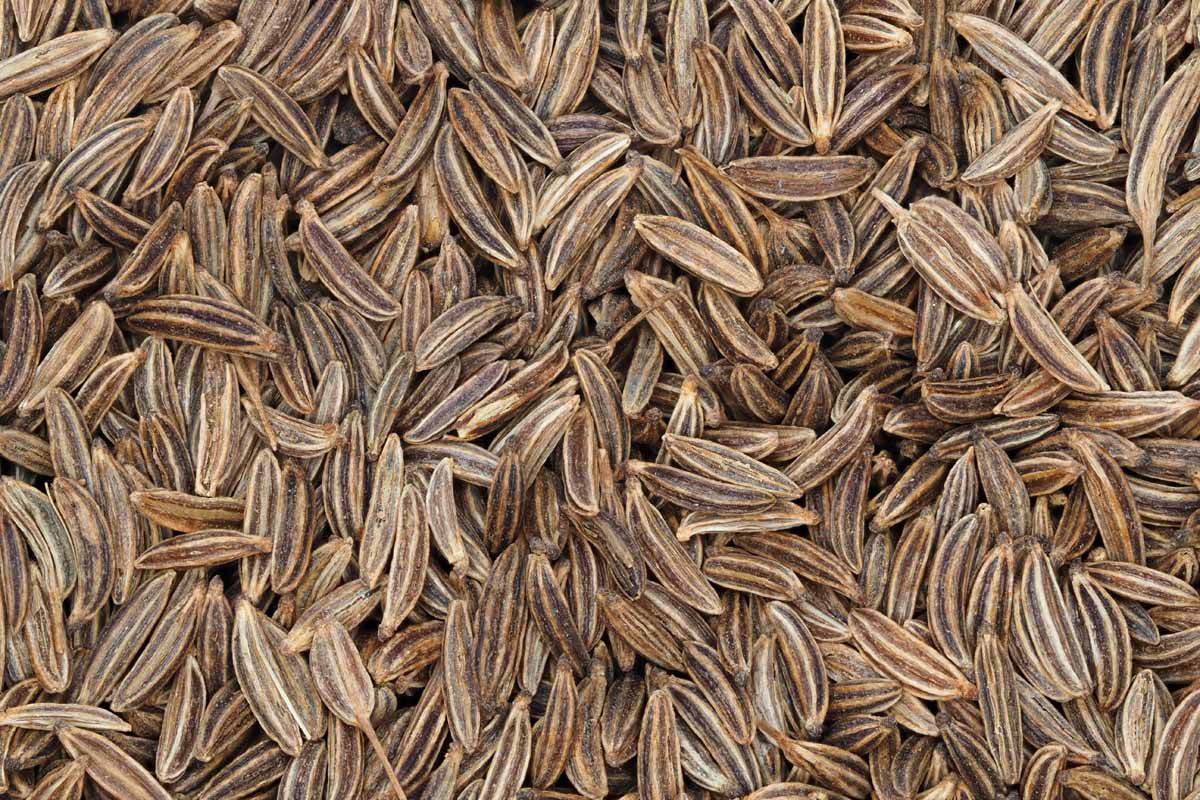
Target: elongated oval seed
x: 699, y: 252
x: 800, y: 178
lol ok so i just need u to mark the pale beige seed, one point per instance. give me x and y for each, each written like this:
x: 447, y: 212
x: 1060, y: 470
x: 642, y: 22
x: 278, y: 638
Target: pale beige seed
x: 672, y: 565
x: 952, y: 274
x: 181, y: 721
x: 1110, y: 499
x: 999, y: 703
x: 338, y: 270
x: 862, y: 310
x: 443, y: 521
x: 49, y: 716
x: 1127, y: 413
x: 247, y: 770
x: 416, y: 132
x: 263, y: 683
x: 92, y: 162
x: 17, y: 197
x: 718, y: 100
x: 800, y: 178
x: 126, y: 71
x: 109, y: 766
x: 44, y: 637
x: 345, y: 687
x: 1103, y: 58
x: 53, y: 62
x: 67, y: 435
x: 480, y: 131
x: 1174, y: 763
x: 907, y: 659
x: 651, y: 106
x: 1157, y: 139
x: 1108, y: 640
x: 659, y: 768
x: 603, y: 398
x: 277, y: 113
x: 462, y: 710
x: 837, y: 445
x: 823, y: 65
x: 522, y: 386
x: 1014, y: 58
x: 382, y: 518
x: 1188, y: 359
x: 699, y: 252
x: 575, y: 172
x: 464, y: 197
x: 1042, y: 772
x: 48, y: 539
x: 72, y: 357
x: 514, y: 746
x: 866, y: 33
x: 1019, y: 147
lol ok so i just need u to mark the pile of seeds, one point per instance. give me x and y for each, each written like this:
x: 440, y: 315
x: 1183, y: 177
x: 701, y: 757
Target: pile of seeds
x: 745, y: 399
